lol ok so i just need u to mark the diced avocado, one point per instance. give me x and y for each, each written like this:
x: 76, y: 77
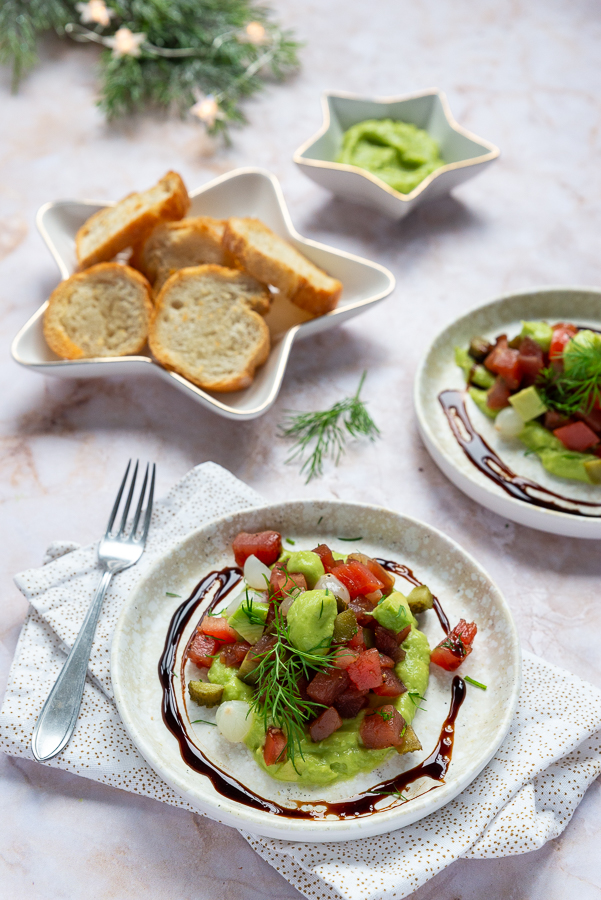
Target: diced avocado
x: 308, y: 564
x: 249, y: 619
x: 593, y: 470
x: 233, y: 688
x: 479, y: 398
x: 567, y: 464
x: 337, y: 555
x: 345, y: 626
x: 528, y: 404
x: 410, y: 743
x: 393, y: 612
x: 205, y: 694
x: 474, y: 373
x: 311, y: 621
x: 541, y: 332
x: 536, y: 437
x: 420, y: 599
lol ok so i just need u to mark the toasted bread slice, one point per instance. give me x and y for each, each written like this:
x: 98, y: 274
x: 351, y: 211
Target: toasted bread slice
x: 178, y: 245
x: 104, y: 311
x: 114, y: 228
x: 204, y: 328
x: 272, y: 260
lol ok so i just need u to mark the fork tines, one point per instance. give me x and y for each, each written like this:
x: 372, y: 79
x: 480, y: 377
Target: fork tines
x: 121, y: 535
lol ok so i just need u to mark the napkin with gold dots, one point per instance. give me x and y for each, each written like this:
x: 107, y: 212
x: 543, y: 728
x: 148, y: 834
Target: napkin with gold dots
x: 524, y: 797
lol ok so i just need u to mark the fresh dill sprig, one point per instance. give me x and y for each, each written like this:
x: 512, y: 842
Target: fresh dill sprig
x: 327, y: 431
x: 577, y: 387
x: 278, y: 700
x: 416, y: 703
x: 248, y: 610
x: 169, y: 594
x: 386, y: 793
x: 204, y: 722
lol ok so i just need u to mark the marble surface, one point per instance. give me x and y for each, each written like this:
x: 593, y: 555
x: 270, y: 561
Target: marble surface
x: 525, y: 77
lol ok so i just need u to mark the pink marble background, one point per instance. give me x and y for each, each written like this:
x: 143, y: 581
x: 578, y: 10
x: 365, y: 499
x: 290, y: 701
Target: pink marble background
x: 524, y: 76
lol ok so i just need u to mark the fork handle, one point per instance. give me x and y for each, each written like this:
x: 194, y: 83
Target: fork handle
x: 57, y: 720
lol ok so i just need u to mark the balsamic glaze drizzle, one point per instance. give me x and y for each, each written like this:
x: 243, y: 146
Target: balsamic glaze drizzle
x: 435, y: 766
x: 406, y: 573
x: 490, y: 464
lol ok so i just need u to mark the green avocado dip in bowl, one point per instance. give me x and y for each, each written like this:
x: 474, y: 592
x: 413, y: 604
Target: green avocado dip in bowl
x: 399, y: 153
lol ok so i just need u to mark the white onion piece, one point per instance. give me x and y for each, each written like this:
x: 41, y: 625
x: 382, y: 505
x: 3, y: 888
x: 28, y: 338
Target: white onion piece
x: 234, y: 720
x: 287, y: 603
x: 239, y: 599
x: 255, y: 573
x: 508, y: 423
x: 331, y: 583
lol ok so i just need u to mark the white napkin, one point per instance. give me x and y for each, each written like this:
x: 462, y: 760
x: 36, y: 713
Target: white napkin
x: 525, y: 796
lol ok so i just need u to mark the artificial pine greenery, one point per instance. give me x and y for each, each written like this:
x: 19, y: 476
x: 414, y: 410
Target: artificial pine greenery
x: 129, y: 83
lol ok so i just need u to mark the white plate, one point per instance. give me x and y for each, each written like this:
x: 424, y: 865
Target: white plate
x: 439, y: 372
x: 243, y: 192
x: 464, y: 153
x: 464, y: 590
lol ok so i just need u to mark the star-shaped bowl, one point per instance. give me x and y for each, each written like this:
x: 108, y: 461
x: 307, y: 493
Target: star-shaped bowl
x: 465, y: 154
x: 243, y: 192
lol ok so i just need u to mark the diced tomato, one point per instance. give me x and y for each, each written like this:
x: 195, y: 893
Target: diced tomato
x: 283, y: 583
x: 577, y: 436
x: 274, y: 750
x: 344, y: 657
x: 351, y: 702
x: 391, y: 686
x: 325, y: 724
x: 382, y: 728
x: 456, y: 647
x: 376, y: 569
x: 326, y: 686
x: 504, y: 361
x: 554, y: 420
x: 327, y: 559
x: 217, y: 627
x: 366, y: 672
x: 265, y: 545
x: 357, y: 578
x: 532, y: 360
x: 562, y: 333
x: 357, y: 642
x: 202, y: 650
x: 386, y: 662
x: 233, y: 654
x: 497, y: 397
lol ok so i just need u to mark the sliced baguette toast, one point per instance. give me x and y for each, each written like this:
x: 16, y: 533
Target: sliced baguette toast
x: 253, y: 246
x: 114, y: 228
x: 205, y: 329
x: 104, y: 311
x: 177, y: 245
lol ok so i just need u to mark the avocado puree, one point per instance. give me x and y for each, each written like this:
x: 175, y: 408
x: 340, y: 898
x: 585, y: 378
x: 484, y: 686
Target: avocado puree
x: 399, y: 153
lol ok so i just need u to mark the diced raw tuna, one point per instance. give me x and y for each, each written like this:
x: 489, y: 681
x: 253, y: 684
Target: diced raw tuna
x: 283, y: 583
x: 497, y: 397
x: 325, y: 724
x: 366, y: 673
x: 201, y: 650
x: 362, y: 607
x: 554, y: 420
x: 351, y: 702
x: 265, y: 545
x: 382, y: 728
x: 385, y: 661
x: 532, y: 360
x: 387, y: 643
x: 233, y: 654
x: 505, y: 361
x: 357, y: 578
x: 275, y: 746
x: 327, y: 558
x: 344, y: 657
x: 357, y: 642
x: 391, y: 686
x: 328, y: 685
x: 376, y: 569
x: 217, y: 627
x: 592, y: 419
x: 577, y: 436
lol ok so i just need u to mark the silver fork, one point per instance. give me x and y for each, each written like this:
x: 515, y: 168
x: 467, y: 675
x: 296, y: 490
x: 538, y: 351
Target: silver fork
x: 57, y: 720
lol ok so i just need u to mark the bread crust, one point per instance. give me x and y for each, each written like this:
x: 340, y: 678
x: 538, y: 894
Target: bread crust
x: 165, y: 356
x: 252, y: 245
x: 55, y: 333
x: 134, y: 229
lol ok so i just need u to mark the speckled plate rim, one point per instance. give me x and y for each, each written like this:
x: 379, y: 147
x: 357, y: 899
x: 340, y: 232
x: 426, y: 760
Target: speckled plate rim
x: 490, y: 150
x: 481, y: 489
x: 271, y: 825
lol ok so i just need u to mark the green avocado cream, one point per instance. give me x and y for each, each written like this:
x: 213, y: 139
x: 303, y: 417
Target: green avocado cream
x: 399, y: 153
x: 342, y: 755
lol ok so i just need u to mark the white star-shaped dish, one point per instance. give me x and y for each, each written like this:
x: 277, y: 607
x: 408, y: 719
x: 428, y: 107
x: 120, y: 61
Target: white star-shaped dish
x: 465, y: 154
x: 243, y: 192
